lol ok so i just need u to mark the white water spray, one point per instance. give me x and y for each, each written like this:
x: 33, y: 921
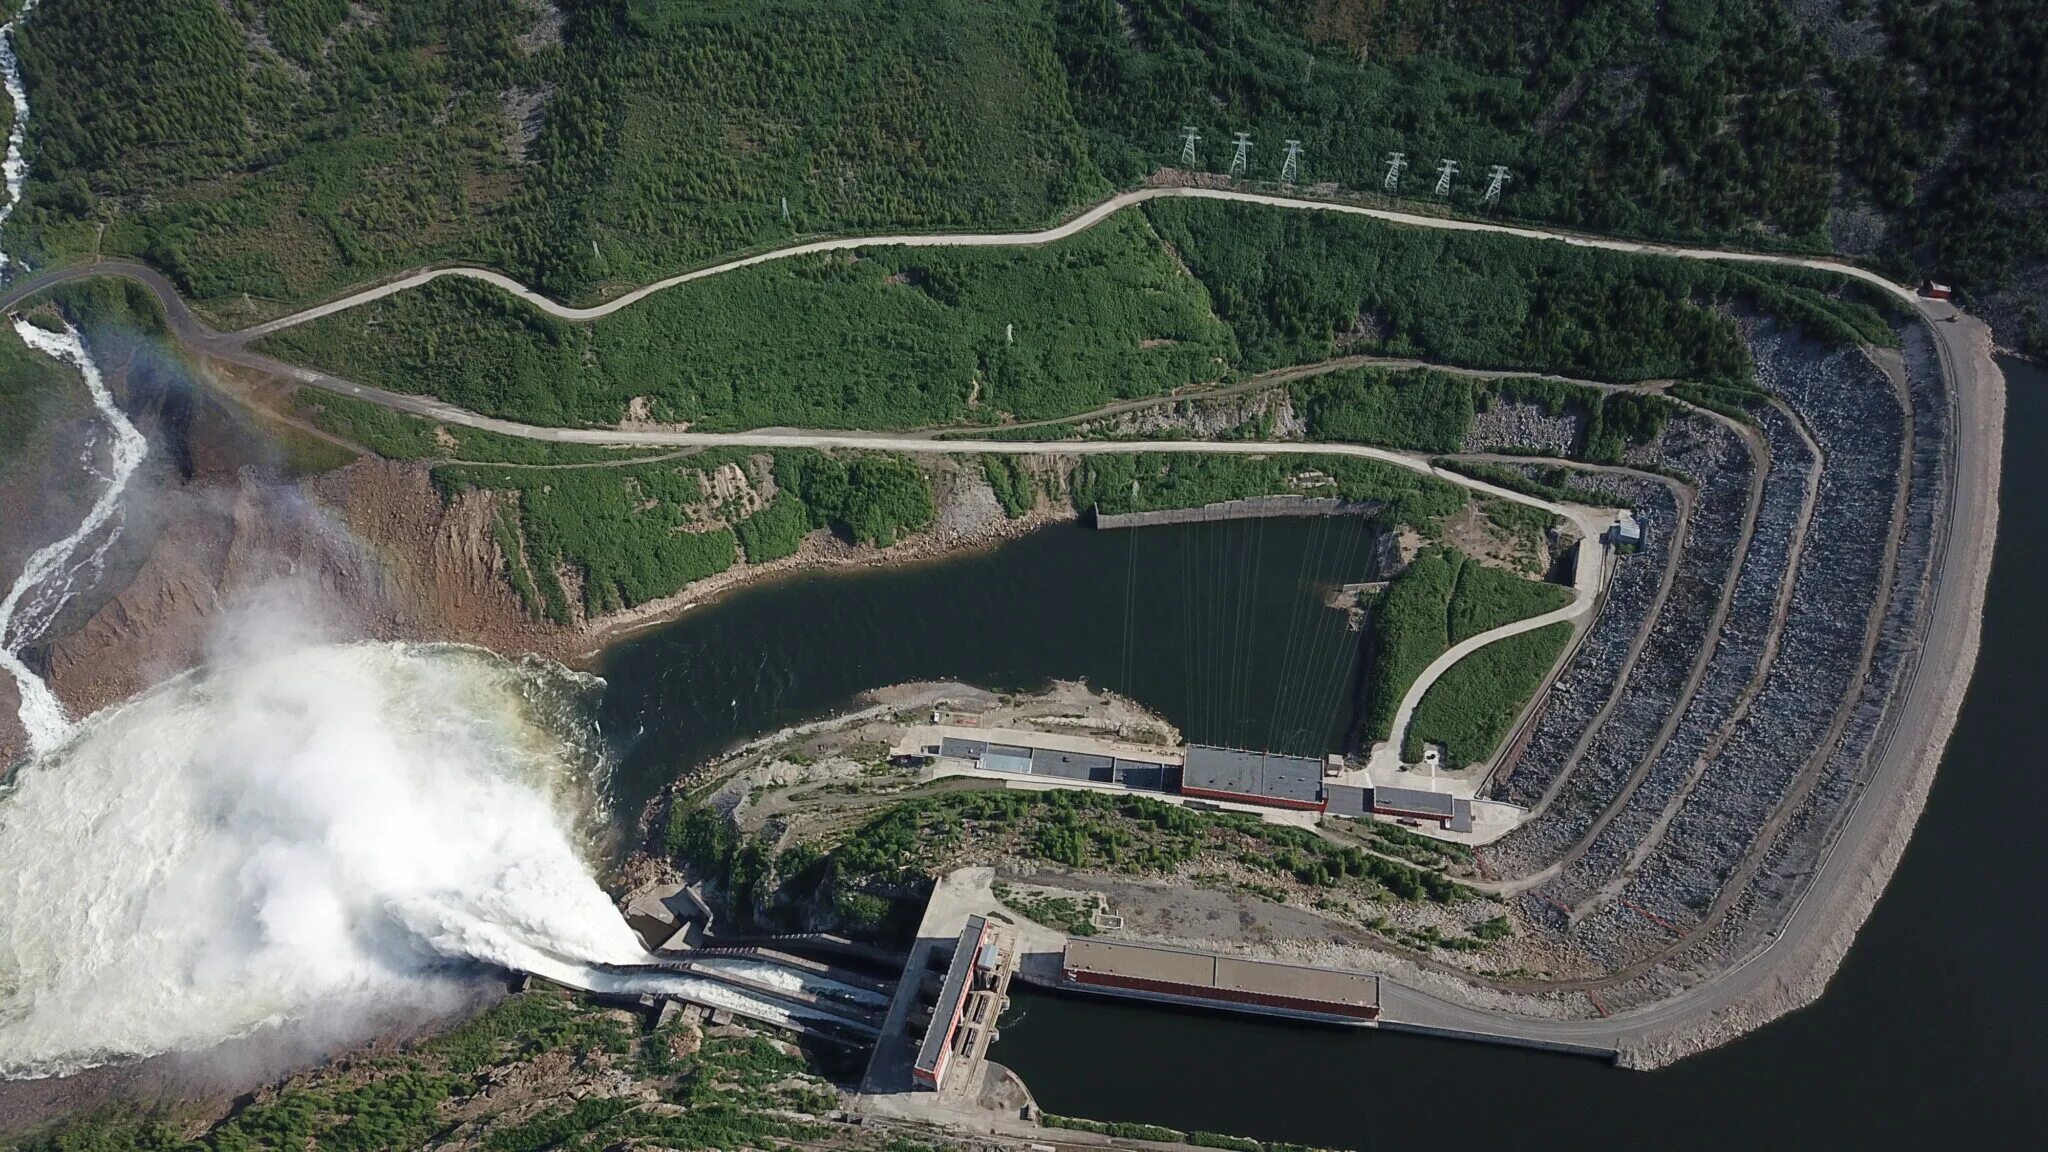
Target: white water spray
x: 15, y: 167
x: 296, y: 837
x: 53, y: 573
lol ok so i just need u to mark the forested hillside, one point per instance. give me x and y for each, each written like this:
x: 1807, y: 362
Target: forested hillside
x: 282, y: 148
x: 1904, y: 132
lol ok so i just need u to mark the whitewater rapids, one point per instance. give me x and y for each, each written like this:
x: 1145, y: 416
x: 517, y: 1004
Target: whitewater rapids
x: 295, y: 837
x: 49, y: 578
x: 14, y: 169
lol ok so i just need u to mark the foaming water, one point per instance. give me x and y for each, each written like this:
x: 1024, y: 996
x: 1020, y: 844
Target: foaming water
x: 53, y: 573
x: 14, y: 169
x: 293, y: 838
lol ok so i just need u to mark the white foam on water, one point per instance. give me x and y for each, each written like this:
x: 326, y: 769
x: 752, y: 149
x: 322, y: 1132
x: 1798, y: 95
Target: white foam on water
x: 14, y: 168
x: 50, y: 576
x: 791, y: 980
x: 299, y: 836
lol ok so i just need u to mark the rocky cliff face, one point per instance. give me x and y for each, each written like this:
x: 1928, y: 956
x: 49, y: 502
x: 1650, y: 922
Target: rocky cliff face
x: 218, y: 521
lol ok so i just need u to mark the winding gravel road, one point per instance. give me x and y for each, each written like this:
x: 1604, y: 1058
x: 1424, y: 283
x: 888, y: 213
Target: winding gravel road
x: 1789, y: 971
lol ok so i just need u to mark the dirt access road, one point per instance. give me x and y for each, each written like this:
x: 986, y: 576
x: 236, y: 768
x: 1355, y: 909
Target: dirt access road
x: 1789, y: 971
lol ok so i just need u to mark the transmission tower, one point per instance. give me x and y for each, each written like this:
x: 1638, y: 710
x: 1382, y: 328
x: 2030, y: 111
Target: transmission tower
x: 1395, y: 162
x: 1444, y: 172
x: 1241, y: 159
x: 1188, y: 140
x: 1290, y: 168
x: 1500, y: 176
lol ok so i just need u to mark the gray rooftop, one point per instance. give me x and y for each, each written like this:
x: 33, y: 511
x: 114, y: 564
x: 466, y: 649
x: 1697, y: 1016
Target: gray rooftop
x: 950, y: 994
x: 1414, y: 802
x: 1070, y: 765
x: 1296, y: 778
x: 1346, y: 800
x: 962, y: 749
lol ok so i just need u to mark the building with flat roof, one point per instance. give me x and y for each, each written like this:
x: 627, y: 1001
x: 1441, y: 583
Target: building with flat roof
x: 1268, y: 778
x: 1182, y: 976
x: 1413, y: 802
x: 1052, y: 756
x: 937, y: 1050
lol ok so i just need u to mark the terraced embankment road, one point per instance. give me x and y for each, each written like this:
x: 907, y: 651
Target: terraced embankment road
x: 1807, y: 947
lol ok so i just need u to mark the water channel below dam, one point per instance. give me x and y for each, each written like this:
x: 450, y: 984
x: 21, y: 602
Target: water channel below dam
x: 1934, y: 1031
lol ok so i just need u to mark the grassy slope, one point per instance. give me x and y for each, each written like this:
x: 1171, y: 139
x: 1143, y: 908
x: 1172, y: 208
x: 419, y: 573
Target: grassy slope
x: 1440, y: 599
x: 1470, y: 709
x: 893, y: 338
x: 1144, y: 483
x: 1298, y: 287
x: 900, y: 338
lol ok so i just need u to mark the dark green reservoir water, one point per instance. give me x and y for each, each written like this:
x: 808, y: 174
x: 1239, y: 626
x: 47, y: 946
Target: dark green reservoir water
x: 1219, y: 627
x: 1934, y: 1034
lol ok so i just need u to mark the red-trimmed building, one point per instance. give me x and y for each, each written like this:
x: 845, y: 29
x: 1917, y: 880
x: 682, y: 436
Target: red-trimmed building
x: 1202, y: 979
x: 1265, y: 778
x: 937, y: 1050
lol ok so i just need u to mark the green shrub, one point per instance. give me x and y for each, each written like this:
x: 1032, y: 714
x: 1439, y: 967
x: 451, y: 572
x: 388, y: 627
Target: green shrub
x: 775, y: 531
x: 1012, y: 483
x: 870, y: 498
x: 1422, y: 409
x: 1144, y: 483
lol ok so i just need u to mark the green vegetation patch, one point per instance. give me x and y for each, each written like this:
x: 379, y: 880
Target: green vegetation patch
x: 628, y: 535
x: 1154, y: 481
x: 1065, y: 913
x: 885, y: 338
x: 1548, y: 482
x: 1470, y: 709
x: 1298, y: 287
x: 282, y: 149
x: 1421, y: 409
x: 775, y: 531
x: 870, y: 497
x: 872, y: 879
x: 727, y: 1093
x: 636, y: 532
x: 1486, y: 598
x: 1012, y: 483
x: 1440, y: 599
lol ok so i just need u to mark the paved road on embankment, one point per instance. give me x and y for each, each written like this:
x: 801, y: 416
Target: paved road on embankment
x: 1845, y: 886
